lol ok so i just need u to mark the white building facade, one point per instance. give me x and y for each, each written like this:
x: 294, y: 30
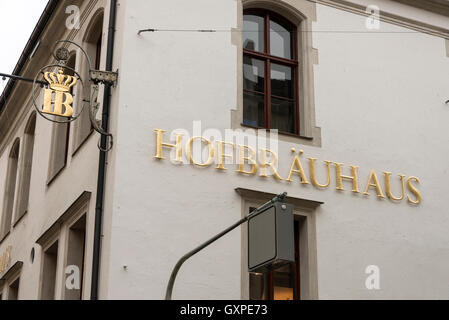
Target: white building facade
x: 354, y: 94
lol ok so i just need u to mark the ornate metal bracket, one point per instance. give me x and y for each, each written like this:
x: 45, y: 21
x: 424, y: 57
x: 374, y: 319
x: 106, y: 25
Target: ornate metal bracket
x: 104, y: 77
x: 96, y: 77
x: 94, y: 106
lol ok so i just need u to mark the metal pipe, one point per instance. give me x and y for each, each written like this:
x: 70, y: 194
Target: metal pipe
x: 101, y: 181
x: 255, y: 212
x: 14, y: 77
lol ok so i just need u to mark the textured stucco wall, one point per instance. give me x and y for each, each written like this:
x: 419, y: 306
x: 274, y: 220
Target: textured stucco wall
x: 380, y: 105
x: 48, y: 202
x: 379, y: 101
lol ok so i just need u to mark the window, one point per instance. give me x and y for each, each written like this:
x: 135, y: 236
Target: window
x: 13, y: 290
x: 49, y: 267
x: 11, y: 282
x: 298, y: 280
x: 280, y: 284
x: 93, y: 45
x: 75, y: 260
x: 270, y: 72
x: 64, y: 254
x: 26, y: 164
x: 59, y: 148
x: 61, y: 135
x: 10, y: 189
x: 98, y: 51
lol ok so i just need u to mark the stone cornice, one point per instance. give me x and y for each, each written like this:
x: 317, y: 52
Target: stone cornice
x: 435, y: 6
x: 394, y: 18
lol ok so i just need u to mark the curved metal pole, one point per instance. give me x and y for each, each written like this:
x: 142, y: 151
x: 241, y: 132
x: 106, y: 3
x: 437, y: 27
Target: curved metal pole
x: 14, y: 77
x: 171, y: 282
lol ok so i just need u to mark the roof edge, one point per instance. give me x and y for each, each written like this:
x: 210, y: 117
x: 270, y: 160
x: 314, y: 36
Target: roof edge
x: 436, y: 6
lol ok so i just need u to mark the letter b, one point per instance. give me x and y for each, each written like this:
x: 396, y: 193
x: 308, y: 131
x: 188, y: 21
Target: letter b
x: 58, y: 103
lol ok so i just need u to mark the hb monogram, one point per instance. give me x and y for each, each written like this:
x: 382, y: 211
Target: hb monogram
x: 60, y: 85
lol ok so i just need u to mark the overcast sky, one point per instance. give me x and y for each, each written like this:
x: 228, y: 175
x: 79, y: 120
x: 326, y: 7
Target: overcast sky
x: 17, y: 21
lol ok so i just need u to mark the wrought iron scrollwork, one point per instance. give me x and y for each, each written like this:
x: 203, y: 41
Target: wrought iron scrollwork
x: 94, y: 107
x: 96, y: 77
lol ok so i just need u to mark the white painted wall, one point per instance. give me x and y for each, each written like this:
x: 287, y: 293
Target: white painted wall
x: 380, y: 105
x: 380, y: 101
x: 48, y: 202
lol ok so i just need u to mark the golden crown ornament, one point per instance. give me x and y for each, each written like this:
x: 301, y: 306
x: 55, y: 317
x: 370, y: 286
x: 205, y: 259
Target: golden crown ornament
x: 58, y: 100
x: 60, y: 81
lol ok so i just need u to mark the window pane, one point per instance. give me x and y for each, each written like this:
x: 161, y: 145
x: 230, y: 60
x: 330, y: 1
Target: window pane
x: 282, y: 115
x: 13, y: 292
x: 75, y: 256
x: 282, y: 81
x: 59, y: 148
x: 253, y: 74
x: 49, y: 272
x: 280, y: 41
x: 257, y: 286
x: 253, y: 109
x: 253, y: 32
x: 10, y: 188
x: 24, y: 184
x: 283, y: 283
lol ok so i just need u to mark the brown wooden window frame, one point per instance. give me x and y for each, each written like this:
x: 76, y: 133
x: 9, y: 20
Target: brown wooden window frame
x: 267, y: 58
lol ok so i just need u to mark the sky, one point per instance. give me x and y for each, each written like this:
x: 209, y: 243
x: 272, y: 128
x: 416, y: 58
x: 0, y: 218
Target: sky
x: 17, y: 21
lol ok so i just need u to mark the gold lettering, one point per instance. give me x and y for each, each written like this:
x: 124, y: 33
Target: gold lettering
x: 48, y: 95
x: 268, y: 162
x: 413, y: 189
x: 250, y: 159
x: 297, y: 168
x: 222, y: 155
x: 58, y: 103
x: 373, y: 176
x: 388, y: 186
x: 67, y: 103
x: 264, y: 164
x: 189, y: 146
x: 160, y: 144
x: 353, y: 178
x: 313, y: 174
x: 8, y: 250
x: 5, y: 259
